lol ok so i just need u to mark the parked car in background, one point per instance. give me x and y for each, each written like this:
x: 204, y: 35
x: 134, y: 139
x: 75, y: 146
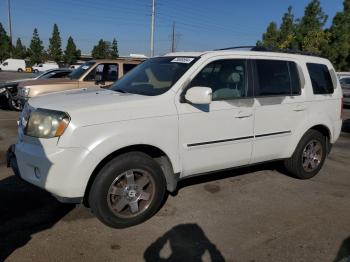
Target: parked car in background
x: 45, y: 66
x: 95, y: 73
x: 11, y: 64
x: 345, y: 84
x: 173, y: 117
x: 9, y: 89
x: 74, y: 66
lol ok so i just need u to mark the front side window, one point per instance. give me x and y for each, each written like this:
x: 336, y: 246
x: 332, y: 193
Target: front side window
x: 277, y: 78
x: 155, y: 76
x: 320, y: 78
x: 226, y: 78
x: 77, y: 73
x: 109, y: 72
x: 5, y: 64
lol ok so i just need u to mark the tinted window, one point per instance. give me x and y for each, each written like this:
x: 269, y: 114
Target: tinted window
x: 227, y: 79
x: 320, y: 78
x: 128, y: 67
x: 277, y: 78
x: 345, y: 81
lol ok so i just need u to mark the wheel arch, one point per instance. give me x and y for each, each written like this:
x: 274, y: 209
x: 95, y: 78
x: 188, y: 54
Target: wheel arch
x: 156, y: 153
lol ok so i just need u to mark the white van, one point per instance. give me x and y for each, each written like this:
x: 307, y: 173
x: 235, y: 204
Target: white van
x: 10, y: 64
x: 44, y: 67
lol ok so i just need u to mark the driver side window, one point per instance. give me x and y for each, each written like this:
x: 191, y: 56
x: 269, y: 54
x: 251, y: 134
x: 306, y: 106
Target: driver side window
x: 227, y: 79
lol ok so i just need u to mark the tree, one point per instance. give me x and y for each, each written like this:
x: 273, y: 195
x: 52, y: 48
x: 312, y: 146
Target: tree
x: 270, y: 38
x: 101, y: 50
x: 55, y: 51
x: 5, y: 46
x: 19, y: 51
x: 311, y: 25
x: 339, y: 44
x: 71, y: 54
x: 114, y: 53
x: 36, y: 48
x: 287, y: 34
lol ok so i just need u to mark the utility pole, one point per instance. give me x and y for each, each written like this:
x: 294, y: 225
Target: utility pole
x: 10, y: 24
x: 152, y: 27
x: 173, y: 39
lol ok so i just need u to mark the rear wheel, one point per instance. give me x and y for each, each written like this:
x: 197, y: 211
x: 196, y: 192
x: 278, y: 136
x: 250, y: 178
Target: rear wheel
x: 20, y: 70
x: 309, y: 156
x: 128, y: 190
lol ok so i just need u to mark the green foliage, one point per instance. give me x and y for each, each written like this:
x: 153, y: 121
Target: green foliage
x: 339, y: 45
x: 287, y: 34
x: 55, y: 51
x: 5, y: 46
x: 105, y: 49
x: 305, y: 34
x: 36, y: 49
x: 114, y: 49
x: 71, y: 54
x: 19, y: 51
x: 270, y: 38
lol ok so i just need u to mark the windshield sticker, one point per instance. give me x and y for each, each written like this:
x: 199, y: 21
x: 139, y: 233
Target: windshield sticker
x: 85, y: 67
x: 183, y: 60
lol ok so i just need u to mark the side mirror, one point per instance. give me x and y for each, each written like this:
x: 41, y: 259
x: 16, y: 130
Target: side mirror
x: 98, y: 79
x: 199, y: 95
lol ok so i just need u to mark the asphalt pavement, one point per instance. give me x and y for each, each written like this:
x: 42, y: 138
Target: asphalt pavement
x: 249, y: 214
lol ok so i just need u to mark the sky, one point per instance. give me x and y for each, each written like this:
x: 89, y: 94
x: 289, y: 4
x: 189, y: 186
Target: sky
x: 199, y: 24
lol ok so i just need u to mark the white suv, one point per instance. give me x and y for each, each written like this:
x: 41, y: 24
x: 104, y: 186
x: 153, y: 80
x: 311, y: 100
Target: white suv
x: 175, y: 116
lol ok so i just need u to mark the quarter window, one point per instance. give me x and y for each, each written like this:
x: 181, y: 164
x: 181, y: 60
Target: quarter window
x: 320, y: 78
x: 277, y: 78
x: 227, y: 79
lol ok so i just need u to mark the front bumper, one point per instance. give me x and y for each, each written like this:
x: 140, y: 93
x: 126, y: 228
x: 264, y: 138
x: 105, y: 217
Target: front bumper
x: 61, y: 172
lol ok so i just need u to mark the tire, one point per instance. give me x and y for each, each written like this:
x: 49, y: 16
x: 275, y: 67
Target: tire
x: 114, y: 193
x: 19, y: 70
x: 35, y: 71
x: 309, y: 156
x: 14, y: 104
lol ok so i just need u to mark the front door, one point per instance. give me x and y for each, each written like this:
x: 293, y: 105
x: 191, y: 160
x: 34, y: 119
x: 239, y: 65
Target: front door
x: 218, y: 135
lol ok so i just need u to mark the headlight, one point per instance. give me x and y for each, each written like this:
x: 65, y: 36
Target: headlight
x: 44, y: 123
x: 24, y: 91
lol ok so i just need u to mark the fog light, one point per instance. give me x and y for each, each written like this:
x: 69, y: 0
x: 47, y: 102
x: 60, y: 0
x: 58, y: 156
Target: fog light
x: 37, y: 173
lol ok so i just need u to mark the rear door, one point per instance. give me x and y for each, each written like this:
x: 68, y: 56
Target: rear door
x: 279, y: 107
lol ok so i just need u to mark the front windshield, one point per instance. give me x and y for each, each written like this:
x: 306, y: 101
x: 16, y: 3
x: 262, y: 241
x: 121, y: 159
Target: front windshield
x: 77, y: 73
x: 155, y: 76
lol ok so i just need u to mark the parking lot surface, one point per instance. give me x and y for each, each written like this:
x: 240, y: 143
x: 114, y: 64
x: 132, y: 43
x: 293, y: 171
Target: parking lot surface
x: 249, y: 214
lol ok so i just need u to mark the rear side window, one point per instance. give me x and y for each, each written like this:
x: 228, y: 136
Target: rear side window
x: 277, y: 77
x: 320, y: 78
x: 128, y: 67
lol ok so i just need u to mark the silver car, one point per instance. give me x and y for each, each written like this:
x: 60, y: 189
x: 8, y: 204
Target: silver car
x: 345, y: 84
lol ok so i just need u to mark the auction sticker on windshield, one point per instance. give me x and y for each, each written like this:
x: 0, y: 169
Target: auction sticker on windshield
x: 184, y: 60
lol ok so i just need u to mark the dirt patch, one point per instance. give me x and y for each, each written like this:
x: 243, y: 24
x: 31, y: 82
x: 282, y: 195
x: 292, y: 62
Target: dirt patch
x: 115, y: 247
x: 212, y: 188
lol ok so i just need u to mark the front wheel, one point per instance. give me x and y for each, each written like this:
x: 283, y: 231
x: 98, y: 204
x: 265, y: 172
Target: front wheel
x: 128, y: 190
x: 19, y: 70
x: 14, y: 104
x: 309, y: 156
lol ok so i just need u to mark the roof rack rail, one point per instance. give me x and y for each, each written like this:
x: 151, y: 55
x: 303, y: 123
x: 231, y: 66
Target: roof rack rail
x: 270, y: 49
x: 236, y: 47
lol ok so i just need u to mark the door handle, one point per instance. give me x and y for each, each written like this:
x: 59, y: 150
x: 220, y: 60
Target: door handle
x: 299, y: 108
x: 242, y: 114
